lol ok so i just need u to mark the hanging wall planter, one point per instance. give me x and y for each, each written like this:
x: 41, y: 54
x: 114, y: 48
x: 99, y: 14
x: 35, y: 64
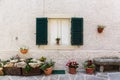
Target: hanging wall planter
x: 100, y: 28
x: 24, y: 50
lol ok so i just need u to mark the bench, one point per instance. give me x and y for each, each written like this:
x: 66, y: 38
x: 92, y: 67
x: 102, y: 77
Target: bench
x: 107, y: 64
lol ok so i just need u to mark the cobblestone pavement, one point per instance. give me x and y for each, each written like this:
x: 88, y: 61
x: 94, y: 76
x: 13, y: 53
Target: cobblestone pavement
x: 78, y: 76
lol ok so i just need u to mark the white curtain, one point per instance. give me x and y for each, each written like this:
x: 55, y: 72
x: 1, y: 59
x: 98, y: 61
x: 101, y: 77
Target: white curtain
x: 59, y: 28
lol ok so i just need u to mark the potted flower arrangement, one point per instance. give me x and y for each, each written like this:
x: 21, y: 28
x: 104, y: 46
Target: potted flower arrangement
x: 72, y: 65
x: 31, y: 67
x: 47, y: 67
x: 89, y: 67
x: 100, y: 28
x: 23, y: 50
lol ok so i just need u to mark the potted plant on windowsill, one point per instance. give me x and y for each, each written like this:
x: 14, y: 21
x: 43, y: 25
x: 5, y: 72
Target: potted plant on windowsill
x: 47, y: 67
x: 89, y: 67
x: 72, y: 65
x: 100, y: 28
x: 57, y: 41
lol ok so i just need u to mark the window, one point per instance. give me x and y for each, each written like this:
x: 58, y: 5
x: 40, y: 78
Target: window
x: 59, y: 28
x: 69, y: 30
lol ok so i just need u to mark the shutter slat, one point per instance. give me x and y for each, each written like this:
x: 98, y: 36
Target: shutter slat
x: 77, y: 31
x: 41, y: 31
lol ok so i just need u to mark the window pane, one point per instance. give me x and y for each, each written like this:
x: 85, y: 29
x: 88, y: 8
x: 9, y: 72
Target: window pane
x: 52, y: 31
x: 65, y: 32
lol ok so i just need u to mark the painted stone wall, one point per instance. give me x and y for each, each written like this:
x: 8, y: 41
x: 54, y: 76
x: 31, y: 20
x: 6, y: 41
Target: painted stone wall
x: 18, y: 23
x: 61, y: 57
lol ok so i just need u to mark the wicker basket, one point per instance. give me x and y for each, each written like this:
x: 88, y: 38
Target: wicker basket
x: 12, y: 71
x: 33, y: 71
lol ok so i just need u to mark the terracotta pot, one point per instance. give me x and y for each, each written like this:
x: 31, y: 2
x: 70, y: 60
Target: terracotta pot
x: 1, y: 71
x: 72, y: 70
x: 24, y: 51
x: 100, y: 30
x: 89, y: 70
x: 48, y: 71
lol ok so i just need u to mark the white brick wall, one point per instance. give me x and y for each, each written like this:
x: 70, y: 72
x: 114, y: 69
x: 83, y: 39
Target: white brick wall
x: 17, y: 19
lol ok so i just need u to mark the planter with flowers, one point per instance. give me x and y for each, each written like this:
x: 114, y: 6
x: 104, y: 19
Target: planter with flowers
x: 31, y: 67
x: 9, y: 67
x: 72, y: 65
x: 25, y: 67
x: 89, y: 67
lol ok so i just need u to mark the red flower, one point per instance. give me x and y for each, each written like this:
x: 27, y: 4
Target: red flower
x: 72, y: 64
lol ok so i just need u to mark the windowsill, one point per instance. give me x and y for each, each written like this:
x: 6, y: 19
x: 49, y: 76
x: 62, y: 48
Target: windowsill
x: 62, y: 47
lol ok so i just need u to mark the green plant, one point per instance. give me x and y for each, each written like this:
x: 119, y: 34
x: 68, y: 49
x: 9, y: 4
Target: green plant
x: 46, y: 65
x: 5, y: 62
x: 101, y: 26
x: 57, y: 41
x: 1, y: 65
x: 23, y: 48
x: 57, y: 38
x: 89, y: 64
x: 28, y: 67
x: 43, y: 59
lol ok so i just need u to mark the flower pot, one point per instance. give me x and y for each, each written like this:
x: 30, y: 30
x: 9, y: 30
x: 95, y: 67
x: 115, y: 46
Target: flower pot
x: 100, y: 30
x: 72, y: 70
x: 89, y: 70
x: 1, y: 72
x: 24, y: 51
x: 57, y: 41
x: 48, y: 71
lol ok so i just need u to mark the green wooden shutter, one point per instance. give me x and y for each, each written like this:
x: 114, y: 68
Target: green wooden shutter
x: 41, y: 31
x: 77, y: 31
